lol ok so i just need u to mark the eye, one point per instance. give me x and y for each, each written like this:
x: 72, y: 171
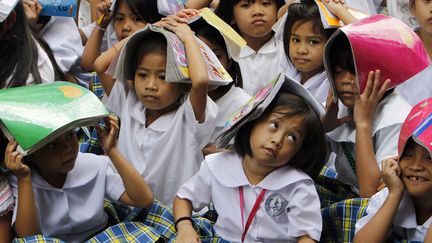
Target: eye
x: 136, y: 19
x: 118, y: 18
x: 162, y: 76
x: 314, y: 42
x: 52, y: 145
x: 273, y: 125
x: 295, y: 39
x: 267, y: 3
x: 244, y: 4
x: 406, y: 155
x: 292, y: 137
x: 142, y: 75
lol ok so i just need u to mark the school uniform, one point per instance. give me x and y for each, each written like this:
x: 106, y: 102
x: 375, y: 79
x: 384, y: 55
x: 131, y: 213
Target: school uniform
x: 257, y: 68
x: 168, y: 152
x: 289, y: 209
x: 404, y: 224
x: 389, y: 115
x: 228, y: 104
x: 318, y: 85
x: 75, y: 212
x: 417, y: 88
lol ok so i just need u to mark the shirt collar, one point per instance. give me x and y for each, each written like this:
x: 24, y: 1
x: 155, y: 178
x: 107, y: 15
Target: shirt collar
x: 227, y: 168
x: 406, y: 216
x: 269, y: 47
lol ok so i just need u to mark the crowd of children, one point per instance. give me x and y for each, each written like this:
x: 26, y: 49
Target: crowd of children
x: 314, y: 116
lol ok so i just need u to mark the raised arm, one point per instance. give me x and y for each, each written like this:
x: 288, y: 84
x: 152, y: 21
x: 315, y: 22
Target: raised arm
x: 197, y: 4
x: 197, y: 67
x: 138, y: 192
x: 377, y: 229
x: 368, y: 172
x: 340, y: 10
x: 94, y: 42
x: 26, y: 222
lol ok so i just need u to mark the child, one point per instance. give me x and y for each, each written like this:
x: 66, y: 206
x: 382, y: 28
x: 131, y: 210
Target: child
x: 304, y: 38
x: 360, y: 145
x: 164, y: 126
x: 253, y: 19
x: 60, y: 192
x: 128, y: 16
x: 421, y: 10
x: 229, y: 97
x: 6, y: 199
x: 22, y: 59
x: 403, y: 209
x: 276, y: 155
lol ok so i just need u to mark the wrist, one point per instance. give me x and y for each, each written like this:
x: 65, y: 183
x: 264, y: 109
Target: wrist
x: 111, y: 151
x: 395, y: 194
x: 183, y: 223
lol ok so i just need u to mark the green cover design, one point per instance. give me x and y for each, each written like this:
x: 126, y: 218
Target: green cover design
x: 32, y: 113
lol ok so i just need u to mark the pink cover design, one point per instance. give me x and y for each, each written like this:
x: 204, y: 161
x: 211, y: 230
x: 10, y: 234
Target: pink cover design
x: 418, y: 125
x: 385, y: 43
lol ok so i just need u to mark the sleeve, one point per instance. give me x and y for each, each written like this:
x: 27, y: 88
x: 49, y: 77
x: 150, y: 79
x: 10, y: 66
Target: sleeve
x: 14, y: 188
x: 198, y: 189
x: 6, y: 197
x: 117, y: 98
x: 202, y: 131
x: 304, y: 213
x: 385, y: 142
x: 114, y: 186
x: 374, y: 205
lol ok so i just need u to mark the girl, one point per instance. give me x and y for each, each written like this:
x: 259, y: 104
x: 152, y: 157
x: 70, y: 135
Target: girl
x: 6, y: 199
x: 253, y: 19
x: 361, y: 145
x: 273, y: 158
x: 403, y: 209
x: 229, y: 97
x: 422, y: 12
x: 164, y: 125
x: 128, y: 16
x: 60, y: 192
x: 22, y: 59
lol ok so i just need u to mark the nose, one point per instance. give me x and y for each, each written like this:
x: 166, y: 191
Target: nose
x: 277, y: 140
x: 256, y: 9
x: 416, y: 163
x: 347, y: 78
x: 127, y: 25
x: 302, y: 48
x: 151, y: 84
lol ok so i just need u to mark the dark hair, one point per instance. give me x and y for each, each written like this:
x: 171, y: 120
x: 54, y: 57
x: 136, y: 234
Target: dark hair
x: 214, y: 36
x: 146, y: 10
x: 225, y: 10
x: 19, y: 53
x: 311, y: 156
x: 304, y: 11
x: 341, y: 55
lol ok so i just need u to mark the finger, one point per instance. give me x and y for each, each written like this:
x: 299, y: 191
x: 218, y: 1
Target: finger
x: 329, y: 100
x: 344, y: 120
x: 369, y: 84
x: 376, y: 84
x: 383, y: 88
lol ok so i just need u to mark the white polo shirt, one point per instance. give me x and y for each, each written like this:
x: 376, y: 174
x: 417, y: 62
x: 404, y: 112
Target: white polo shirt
x: 290, y: 208
x: 75, y: 212
x: 318, y: 85
x: 168, y: 152
x: 257, y: 68
x: 387, y: 122
x: 228, y: 104
x: 404, y: 223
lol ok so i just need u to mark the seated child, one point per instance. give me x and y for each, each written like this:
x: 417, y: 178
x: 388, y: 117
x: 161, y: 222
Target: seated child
x: 60, y: 192
x: 276, y: 155
x: 403, y: 209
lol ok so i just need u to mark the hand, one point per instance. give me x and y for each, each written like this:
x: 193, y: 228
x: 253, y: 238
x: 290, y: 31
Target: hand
x: 335, y: 6
x: 13, y: 161
x: 187, y: 13
x: 330, y: 120
x: 182, y: 30
x: 104, y: 14
x: 186, y: 234
x: 108, y: 135
x: 366, y: 103
x: 391, y: 176
x: 32, y: 10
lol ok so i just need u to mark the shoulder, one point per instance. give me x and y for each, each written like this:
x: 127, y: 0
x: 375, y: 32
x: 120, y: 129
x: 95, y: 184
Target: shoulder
x: 392, y: 110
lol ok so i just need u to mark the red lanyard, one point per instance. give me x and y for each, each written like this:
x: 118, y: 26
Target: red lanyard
x: 253, y: 211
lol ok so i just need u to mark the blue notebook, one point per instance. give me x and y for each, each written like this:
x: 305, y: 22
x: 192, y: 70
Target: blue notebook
x: 64, y: 8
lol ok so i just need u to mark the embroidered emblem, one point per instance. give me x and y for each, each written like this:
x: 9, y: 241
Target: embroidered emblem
x: 275, y: 204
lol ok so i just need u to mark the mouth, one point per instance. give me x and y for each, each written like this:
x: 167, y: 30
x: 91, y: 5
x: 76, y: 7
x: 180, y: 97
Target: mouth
x: 150, y: 97
x: 301, y: 60
x: 416, y: 178
x: 69, y: 161
x: 258, y: 22
x: 346, y: 94
x: 270, y: 151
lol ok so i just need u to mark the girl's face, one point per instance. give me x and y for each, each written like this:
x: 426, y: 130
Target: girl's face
x: 416, y: 170
x: 344, y: 82
x: 126, y: 22
x: 422, y: 10
x: 276, y: 138
x: 306, y: 49
x: 150, y: 86
x: 57, y: 157
x: 255, y: 18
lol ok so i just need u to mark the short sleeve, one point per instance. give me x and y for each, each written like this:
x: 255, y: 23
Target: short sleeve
x: 385, y: 143
x: 374, y: 205
x: 202, y: 131
x: 198, y: 189
x: 6, y: 197
x: 304, y: 213
x: 117, y: 98
x: 114, y: 185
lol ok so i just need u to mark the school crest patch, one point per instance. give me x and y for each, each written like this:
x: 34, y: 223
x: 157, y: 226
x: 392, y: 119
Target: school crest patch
x: 275, y: 204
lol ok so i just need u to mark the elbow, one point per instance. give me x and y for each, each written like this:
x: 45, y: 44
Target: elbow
x: 148, y: 201
x: 86, y: 65
x: 98, y: 67
x: 200, y: 82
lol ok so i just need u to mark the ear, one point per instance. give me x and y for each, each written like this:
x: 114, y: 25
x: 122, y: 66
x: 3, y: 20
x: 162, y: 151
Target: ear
x: 10, y: 21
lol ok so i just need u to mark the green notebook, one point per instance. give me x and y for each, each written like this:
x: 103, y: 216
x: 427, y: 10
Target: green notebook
x: 35, y: 115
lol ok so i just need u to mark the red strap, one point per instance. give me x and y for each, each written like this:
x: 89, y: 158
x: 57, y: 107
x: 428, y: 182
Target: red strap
x: 253, y: 211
